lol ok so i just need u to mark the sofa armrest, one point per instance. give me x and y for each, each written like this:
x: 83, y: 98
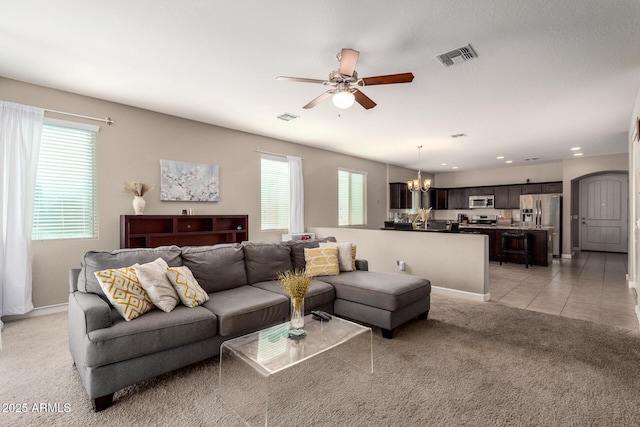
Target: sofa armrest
x: 362, y: 264
x: 88, y: 312
x: 74, y: 273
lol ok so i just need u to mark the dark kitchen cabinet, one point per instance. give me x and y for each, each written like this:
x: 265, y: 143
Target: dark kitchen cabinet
x: 539, y: 240
x: 552, y: 187
x: 531, y: 188
x: 435, y: 198
x: 507, y: 196
x: 481, y: 191
x: 458, y: 198
x: 399, y: 196
x: 542, y: 188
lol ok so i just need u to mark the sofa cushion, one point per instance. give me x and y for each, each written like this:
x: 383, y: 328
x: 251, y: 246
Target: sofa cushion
x: 320, y: 293
x: 297, y: 250
x: 264, y: 260
x: 246, y: 309
x: 389, y: 291
x: 153, y: 279
x: 102, y: 260
x: 155, y: 331
x: 187, y: 287
x: 122, y: 288
x: 216, y: 268
x: 321, y: 261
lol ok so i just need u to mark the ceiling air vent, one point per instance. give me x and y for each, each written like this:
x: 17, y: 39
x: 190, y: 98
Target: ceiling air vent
x: 457, y: 56
x: 287, y: 117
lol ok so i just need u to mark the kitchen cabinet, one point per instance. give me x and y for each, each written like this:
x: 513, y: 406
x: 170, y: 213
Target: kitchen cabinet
x: 458, y: 198
x: 539, y: 241
x: 481, y: 191
x: 507, y: 196
x: 399, y: 196
x: 542, y: 188
x: 552, y: 187
x: 435, y: 198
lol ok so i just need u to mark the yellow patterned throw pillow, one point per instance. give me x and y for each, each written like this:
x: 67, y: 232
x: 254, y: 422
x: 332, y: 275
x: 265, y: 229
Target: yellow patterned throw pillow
x: 189, y: 291
x: 123, y: 290
x: 322, y: 261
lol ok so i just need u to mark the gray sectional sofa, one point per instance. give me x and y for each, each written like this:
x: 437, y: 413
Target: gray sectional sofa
x: 241, y: 280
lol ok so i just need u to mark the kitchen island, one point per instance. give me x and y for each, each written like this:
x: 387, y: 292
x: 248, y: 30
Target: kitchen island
x: 540, y: 240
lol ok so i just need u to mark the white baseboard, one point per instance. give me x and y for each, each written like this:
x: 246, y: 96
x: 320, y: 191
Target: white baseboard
x: 566, y: 256
x: 38, y: 311
x: 461, y: 294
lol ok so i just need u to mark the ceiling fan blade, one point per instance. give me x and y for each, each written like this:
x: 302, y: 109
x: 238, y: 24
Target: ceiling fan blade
x: 364, y: 100
x: 319, y: 99
x: 348, y: 61
x: 300, y: 79
x: 385, y: 80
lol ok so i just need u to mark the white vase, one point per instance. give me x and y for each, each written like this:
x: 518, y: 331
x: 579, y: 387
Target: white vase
x: 138, y: 205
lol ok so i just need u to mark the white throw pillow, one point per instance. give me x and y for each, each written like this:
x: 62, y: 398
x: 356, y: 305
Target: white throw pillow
x: 345, y: 252
x: 153, y: 278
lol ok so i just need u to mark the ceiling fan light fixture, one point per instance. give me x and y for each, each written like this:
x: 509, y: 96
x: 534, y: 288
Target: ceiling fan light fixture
x: 343, y: 99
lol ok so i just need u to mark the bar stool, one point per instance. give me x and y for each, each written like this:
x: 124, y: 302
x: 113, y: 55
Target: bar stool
x: 516, y: 247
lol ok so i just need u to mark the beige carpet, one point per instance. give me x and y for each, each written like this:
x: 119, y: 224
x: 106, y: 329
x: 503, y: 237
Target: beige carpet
x: 472, y: 364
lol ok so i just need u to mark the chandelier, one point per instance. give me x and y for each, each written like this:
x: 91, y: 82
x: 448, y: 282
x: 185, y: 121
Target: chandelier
x: 419, y: 184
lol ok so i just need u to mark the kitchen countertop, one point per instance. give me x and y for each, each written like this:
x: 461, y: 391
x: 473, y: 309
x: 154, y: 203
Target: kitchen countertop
x: 464, y: 227
x: 503, y: 227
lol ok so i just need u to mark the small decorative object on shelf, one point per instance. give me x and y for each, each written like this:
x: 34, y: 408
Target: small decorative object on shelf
x: 138, y: 190
x: 296, y: 283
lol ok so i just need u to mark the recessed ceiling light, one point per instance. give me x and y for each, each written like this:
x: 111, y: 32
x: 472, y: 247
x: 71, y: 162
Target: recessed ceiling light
x: 500, y: 157
x: 509, y: 161
x: 454, y: 167
x: 575, y: 148
x: 287, y: 117
x: 577, y: 154
x: 443, y: 164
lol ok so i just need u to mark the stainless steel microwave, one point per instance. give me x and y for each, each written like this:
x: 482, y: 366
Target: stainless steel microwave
x: 476, y: 202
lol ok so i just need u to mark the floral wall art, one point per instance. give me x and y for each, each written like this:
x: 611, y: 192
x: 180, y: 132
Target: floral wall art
x: 184, y: 181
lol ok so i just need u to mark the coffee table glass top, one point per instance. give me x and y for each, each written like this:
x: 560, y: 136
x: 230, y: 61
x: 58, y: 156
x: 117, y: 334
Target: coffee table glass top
x: 270, y: 350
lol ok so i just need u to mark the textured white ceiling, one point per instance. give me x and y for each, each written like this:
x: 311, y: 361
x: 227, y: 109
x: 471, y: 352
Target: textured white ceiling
x: 550, y: 74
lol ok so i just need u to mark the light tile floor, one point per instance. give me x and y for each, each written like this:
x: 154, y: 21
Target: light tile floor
x: 591, y: 286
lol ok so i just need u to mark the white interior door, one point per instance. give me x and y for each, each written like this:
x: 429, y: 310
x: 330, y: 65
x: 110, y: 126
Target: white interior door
x: 604, y: 212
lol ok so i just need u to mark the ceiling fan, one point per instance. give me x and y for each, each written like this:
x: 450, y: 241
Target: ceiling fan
x: 341, y: 79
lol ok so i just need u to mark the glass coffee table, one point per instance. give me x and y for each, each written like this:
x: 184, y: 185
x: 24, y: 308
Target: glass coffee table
x: 265, y: 374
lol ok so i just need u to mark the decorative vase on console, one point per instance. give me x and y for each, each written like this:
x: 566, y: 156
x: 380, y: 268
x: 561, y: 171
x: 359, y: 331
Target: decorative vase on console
x: 296, y: 283
x: 138, y: 190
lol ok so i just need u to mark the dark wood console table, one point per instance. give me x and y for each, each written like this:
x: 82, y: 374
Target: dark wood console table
x: 150, y: 231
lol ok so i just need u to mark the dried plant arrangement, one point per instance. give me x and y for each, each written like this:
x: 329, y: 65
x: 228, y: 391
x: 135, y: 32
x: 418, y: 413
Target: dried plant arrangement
x: 296, y: 283
x: 137, y: 189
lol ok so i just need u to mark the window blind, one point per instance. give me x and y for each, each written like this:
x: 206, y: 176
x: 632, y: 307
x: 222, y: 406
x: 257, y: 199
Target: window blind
x: 65, y: 195
x: 352, y: 197
x: 274, y: 191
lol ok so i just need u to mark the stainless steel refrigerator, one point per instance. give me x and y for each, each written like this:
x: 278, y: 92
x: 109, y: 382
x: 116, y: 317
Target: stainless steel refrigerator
x: 543, y: 210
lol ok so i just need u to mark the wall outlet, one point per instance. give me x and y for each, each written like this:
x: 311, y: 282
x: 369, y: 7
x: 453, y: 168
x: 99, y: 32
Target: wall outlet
x: 401, y: 265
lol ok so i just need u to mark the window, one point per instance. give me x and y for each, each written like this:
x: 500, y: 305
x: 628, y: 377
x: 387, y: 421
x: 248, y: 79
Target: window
x: 352, y: 190
x: 274, y: 191
x: 65, y: 197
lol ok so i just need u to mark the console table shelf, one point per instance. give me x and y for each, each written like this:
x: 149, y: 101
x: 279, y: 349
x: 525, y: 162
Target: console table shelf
x: 150, y: 231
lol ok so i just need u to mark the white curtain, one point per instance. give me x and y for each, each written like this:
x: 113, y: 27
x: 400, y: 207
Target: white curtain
x: 296, y: 199
x: 20, y: 131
